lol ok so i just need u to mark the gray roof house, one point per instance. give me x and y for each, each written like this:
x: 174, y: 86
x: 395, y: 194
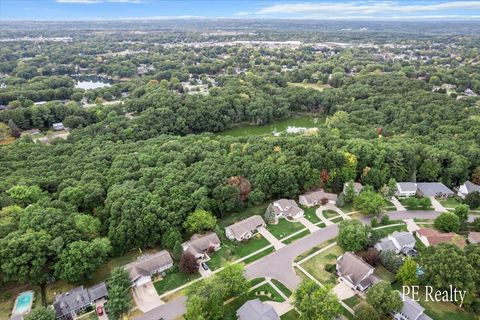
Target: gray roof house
x: 433, y: 189
x: 287, y: 209
x: 357, y: 187
x: 411, y: 310
x: 58, y: 126
x: 200, y: 244
x: 397, y: 242
x: 141, y: 270
x: 406, y: 189
x: 256, y: 310
x: 315, y: 197
x: 67, y: 305
x: 355, y: 272
x: 467, y: 188
x: 244, y: 229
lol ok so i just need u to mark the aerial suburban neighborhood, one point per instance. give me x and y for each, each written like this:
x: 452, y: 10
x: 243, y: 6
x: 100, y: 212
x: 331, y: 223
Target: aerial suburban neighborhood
x: 239, y: 160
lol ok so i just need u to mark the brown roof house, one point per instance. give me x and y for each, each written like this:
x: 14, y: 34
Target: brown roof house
x: 142, y: 270
x: 355, y: 272
x: 202, y: 244
x: 474, y: 237
x: 245, y: 229
x: 314, y: 198
x: 287, y: 209
x: 431, y: 237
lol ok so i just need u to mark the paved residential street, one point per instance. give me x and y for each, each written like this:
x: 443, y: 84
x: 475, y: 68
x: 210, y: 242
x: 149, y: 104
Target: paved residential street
x: 168, y: 311
x: 279, y: 264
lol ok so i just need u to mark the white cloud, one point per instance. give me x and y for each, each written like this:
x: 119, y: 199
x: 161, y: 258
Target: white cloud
x: 365, y: 7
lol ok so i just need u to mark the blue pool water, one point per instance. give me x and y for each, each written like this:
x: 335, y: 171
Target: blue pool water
x: 23, y: 303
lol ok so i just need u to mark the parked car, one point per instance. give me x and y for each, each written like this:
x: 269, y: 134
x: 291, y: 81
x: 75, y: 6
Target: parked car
x: 100, y: 311
x: 204, y: 266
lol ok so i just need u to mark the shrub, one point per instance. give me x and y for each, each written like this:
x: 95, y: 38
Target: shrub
x: 390, y: 260
x: 385, y: 220
x: 374, y: 222
x: 412, y: 203
x: 473, y: 200
x: 331, y: 268
x: 323, y: 201
x: 424, y: 203
x: 188, y: 263
x: 447, y: 222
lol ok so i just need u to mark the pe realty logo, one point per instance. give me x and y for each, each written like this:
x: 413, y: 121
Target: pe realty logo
x: 450, y: 295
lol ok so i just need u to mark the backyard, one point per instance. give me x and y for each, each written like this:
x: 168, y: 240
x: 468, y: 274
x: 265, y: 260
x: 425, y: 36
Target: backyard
x: 316, y: 265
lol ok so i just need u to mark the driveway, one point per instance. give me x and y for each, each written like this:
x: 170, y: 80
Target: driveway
x: 397, y: 204
x: 169, y: 311
x: 319, y: 214
x: 271, y: 238
x: 101, y: 302
x: 343, y: 291
x: 411, y: 225
x: 437, y: 206
x: 204, y: 273
x: 146, y: 297
x: 310, y: 226
x: 279, y: 264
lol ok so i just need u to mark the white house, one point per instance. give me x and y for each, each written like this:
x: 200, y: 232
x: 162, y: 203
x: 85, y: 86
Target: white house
x: 467, y: 188
x: 411, y: 310
x: 406, y: 189
x: 287, y: 209
x: 314, y: 198
x: 397, y: 242
x: 245, y: 229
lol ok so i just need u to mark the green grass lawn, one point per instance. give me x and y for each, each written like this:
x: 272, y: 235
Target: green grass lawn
x: 440, y: 310
x: 353, y: 301
x: 264, y: 293
x: 316, y: 265
x: 386, y: 231
x: 336, y: 220
x: 290, y: 315
x: 297, y: 236
x: 237, y: 216
x: 282, y: 288
x: 256, y: 281
x: 259, y: 255
x: 284, y: 228
x: 315, y: 86
x: 329, y: 214
x: 233, y: 250
x: 346, y: 313
x: 347, y: 208
x: 173, y: 279
x: 384, y: 274
x: 310, y: 214
x: 450, y: 202
x: 314, y: 249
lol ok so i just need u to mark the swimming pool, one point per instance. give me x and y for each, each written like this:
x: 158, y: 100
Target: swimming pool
x: 23, y: 303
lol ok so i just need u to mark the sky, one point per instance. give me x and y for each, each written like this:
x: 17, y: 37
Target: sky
x: 260, y: 9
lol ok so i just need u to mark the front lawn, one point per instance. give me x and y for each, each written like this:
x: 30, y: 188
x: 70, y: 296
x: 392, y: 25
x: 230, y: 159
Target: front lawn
x: 282, y: 288
x: 259, y: 255
x: 290, y: 315
x: 384, y: 274
x: 174, y: 278
x: 353, y: 301
x: 284, y: 228
x: 450, y: 202
x: 233, y: 250
x: 329, y: 213
x: 310, y: 214
x: 316, y: 265
x: 297, y: 236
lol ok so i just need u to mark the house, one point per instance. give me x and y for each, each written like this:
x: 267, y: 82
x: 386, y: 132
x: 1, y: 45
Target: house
x: 355, y: 272
x: 142, y: 270
x: 357, y: 186
x: 474, y: 237
x: 397, y: 242
x: 287, y: 209
x: 411, y: 310
x: 39, y: 103
x: 406, y: 189
x: 431, y: 237
x: 58, y: 126
x: 244, y: 229
x: 467, y: 188
x: 69, y: 304
x: 257, y: 310
x: 433, y: 189
x: 315, y: 197
x: 201, y: 244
